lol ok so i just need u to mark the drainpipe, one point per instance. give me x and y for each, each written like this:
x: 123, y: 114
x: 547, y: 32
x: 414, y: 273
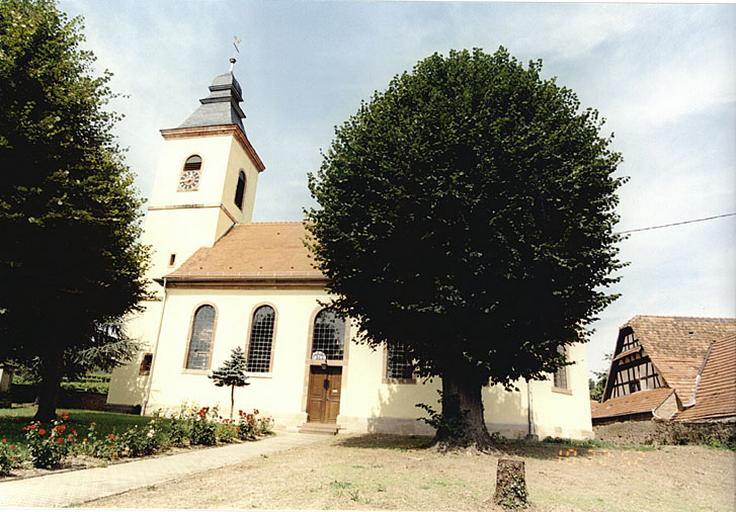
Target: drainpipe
x: 529, y: 414
x: 155, y: 354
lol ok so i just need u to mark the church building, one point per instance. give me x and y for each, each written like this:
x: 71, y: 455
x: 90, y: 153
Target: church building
x: 222, y: 281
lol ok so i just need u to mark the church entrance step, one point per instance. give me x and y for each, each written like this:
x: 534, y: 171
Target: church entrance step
x: 319, y: 428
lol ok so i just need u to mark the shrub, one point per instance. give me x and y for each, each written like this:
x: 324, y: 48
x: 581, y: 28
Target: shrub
x: 247, y: 426
x: 100, y: 446
x: 49, y: 446
x: 226, y: 431
x: 250, y: 426
x: 139, y: 441
x: 10, y: 457
x: 180, y: 431
x: 204, y: 428
x: 264, y: 426
x: 178, y: 426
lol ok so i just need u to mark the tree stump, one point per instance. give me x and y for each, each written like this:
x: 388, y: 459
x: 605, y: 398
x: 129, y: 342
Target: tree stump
x: 511, y: 491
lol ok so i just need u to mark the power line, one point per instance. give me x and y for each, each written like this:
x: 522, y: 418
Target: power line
x: 691, y: 221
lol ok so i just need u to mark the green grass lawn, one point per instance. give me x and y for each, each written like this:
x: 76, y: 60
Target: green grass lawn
x: 14, y: 419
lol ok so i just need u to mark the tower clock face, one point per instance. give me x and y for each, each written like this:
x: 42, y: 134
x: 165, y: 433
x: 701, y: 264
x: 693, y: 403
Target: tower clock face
x: 189, y: 180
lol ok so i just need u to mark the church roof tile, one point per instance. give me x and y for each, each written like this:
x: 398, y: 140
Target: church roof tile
x: 256, y: 251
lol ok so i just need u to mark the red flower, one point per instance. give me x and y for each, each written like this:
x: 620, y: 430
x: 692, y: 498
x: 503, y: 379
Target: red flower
x: 12, y: 447
x: 60, y: 440
x: 41, y: 432
x: 69, y: 438
x: 5, y: 439
x: 74, y: 432
x: 60, y: 429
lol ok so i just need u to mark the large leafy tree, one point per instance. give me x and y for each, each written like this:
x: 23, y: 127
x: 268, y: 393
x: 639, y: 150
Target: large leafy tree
x: 70, y: 262
x: 466, y: 212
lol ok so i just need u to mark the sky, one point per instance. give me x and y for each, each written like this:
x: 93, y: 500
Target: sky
x: 664, y: 77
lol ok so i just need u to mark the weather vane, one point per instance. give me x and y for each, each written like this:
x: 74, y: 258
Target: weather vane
x: 236, y: 42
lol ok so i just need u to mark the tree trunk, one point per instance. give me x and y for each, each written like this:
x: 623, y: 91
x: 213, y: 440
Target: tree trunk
x: 462, y: 411
x: 49, y: 387
x: 232, y: 400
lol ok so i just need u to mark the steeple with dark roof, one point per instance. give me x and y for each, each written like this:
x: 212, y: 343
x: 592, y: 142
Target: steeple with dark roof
x: 222, y: 106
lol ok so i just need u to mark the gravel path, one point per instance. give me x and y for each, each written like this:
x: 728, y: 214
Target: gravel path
x: 78, y: 487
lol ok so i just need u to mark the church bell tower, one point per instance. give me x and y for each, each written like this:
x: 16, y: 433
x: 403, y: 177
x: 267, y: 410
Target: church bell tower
x: 205, y: 184
x: 206, y: 178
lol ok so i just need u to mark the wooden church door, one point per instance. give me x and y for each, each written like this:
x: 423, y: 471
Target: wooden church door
x: 323, y: 403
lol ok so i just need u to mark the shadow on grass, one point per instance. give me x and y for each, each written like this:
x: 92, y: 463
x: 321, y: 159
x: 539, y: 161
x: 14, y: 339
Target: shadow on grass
x: 548, y: 449
x: 386, y: 441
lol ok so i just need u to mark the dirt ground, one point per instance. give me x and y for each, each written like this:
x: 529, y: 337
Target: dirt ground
x: 389, y: 472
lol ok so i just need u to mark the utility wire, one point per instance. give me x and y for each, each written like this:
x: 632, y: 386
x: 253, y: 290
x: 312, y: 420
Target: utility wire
x: 691, y: 221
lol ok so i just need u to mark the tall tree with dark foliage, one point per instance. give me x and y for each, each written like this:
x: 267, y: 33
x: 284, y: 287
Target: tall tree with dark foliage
x: 467, y: 212
x: 70, y: 261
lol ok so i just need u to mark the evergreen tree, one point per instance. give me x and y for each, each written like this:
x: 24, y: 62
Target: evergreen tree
x: 71, y: 264
x: 467, y: 214
x: 232, y: 373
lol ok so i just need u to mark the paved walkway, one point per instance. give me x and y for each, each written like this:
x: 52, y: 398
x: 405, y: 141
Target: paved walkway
x: 77, y: 487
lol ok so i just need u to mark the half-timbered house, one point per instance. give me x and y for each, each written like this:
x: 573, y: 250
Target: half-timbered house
x: 660, y: 366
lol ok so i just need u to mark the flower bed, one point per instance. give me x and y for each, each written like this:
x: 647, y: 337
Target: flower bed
x: 58, y: 445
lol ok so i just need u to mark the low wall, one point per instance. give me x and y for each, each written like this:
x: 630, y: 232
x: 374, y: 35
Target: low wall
x: 647, y: 432
x: 626, y: 432
x: 713, y: 433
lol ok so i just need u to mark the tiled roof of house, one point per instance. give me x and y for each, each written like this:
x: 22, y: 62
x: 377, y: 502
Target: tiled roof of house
x: 677, y: 345
x: 715, y: 396
x: 257, y: 251
x: 635, y: 403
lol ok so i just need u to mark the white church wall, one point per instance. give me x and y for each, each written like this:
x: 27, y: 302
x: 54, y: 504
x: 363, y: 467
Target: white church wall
x: 181, y: 232
x: 560, y: 414
x: 279, y: 392
x: 368, y: 402
x: 127, y: 385
x: 239, y: 160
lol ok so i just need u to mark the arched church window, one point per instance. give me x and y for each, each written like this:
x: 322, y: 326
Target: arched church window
x: 190, y: 174
x: 240, y: 190
x: 200, y: 341
x: 560, y: 376
x: 261, y: 340
x: 328, y: 335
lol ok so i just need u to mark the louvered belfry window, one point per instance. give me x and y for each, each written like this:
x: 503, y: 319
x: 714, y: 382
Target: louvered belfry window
x: 328, y: 335
x: 399, y: 364
x: 200, y: 343
x: 261, y: 340
x: 193, y: 163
